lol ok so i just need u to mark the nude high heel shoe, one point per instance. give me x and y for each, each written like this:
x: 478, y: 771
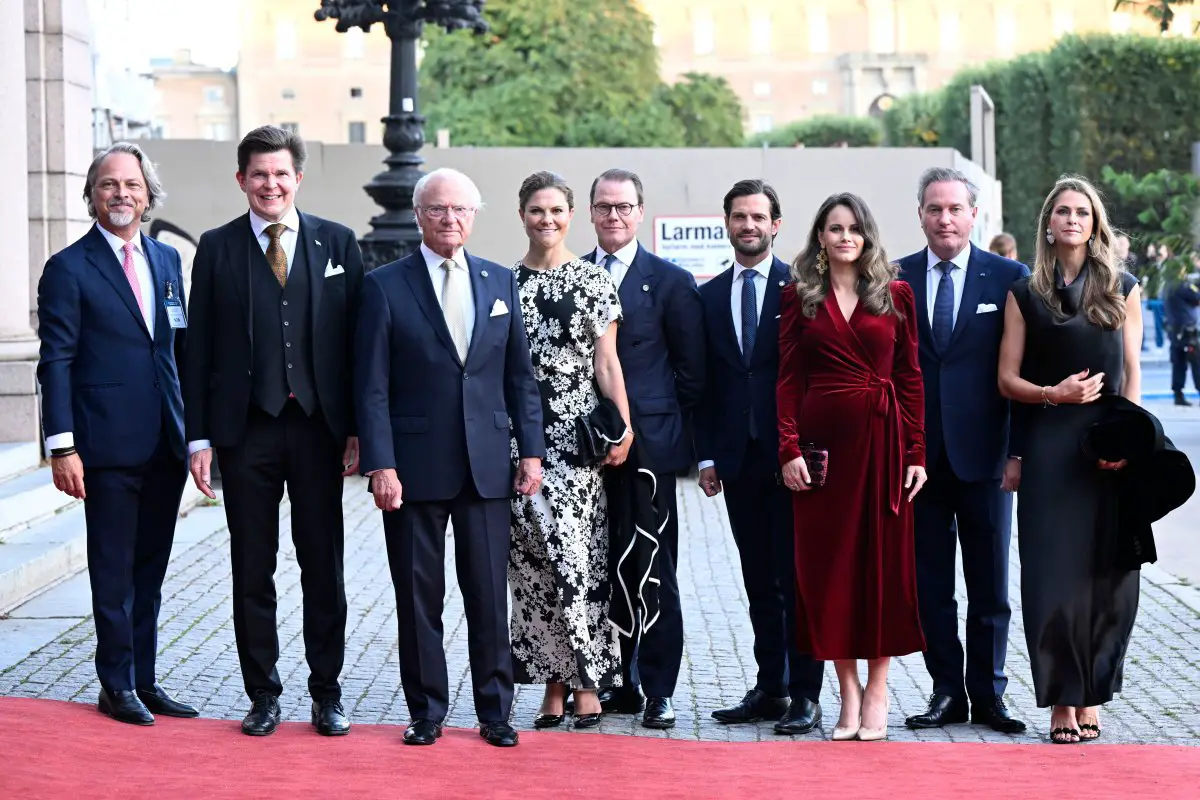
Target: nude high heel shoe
x: 876, y: 734
x: 849, y: 733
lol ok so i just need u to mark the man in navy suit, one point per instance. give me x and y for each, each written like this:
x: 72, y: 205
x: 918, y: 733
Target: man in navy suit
x: 661, y: 347
x: 112, y: 321
x: 960, y: 292
x: 737, y: 441
x: 443, y: 379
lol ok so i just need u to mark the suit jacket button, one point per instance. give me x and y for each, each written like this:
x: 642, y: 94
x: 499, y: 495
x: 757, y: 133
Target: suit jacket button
x: 465, y: 376
x: 750, y: 375
x: 156, y: 384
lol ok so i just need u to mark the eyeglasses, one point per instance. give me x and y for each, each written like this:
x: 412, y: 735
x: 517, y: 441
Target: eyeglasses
x: 440, y: 212
x: 604, y: 209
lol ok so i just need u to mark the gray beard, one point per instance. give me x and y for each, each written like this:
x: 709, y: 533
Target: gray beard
x: 121, y: 218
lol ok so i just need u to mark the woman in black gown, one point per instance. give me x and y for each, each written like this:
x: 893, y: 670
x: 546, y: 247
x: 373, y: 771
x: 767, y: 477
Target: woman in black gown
x: 1072, y: 332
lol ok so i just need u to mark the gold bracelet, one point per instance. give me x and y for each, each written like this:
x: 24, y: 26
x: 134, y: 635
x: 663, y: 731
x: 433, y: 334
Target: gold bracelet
x: 1046, y: 397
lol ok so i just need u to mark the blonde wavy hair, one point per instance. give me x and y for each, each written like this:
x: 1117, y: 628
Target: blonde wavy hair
x: 1102, y: 302
x: 875, y: 272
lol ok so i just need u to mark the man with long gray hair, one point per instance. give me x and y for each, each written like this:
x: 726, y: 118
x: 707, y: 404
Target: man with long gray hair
x: 112, y: 321
x: 960, y: 293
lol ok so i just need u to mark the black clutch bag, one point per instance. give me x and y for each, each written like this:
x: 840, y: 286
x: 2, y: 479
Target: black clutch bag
x: 597, y: 432
x: 817, y: 461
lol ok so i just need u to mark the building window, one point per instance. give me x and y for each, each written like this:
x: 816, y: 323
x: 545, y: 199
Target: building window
x: 1064, y: 22
x: 288, y: 94
x: 950, y: 35
x: 216, y: 131
x: 818, y: 30
x: 214, y: 94
x: 760, y: 34
x: 762, y: 123
x: 1006, y: 31
x: 354, y: 43
x: 762, y: 89
x: 356, y: 91
x: 285, y: 40
x: 820, y: 87
x: 290, y: 127
x: 358, y: 132
x: 1121, y: 22
x: 704, y: 37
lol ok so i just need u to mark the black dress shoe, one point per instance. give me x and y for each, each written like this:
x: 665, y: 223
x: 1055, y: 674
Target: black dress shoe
x: 803, y: 716
x: 159, y: 702
x: 548, y: 720
x: 755, y: 706
x: 943, y: 710
x: 422, y: 732
x: 498, y: 734
x: 619, y: 700
x: 659, y: 713
x: 994, y: 714
x: 124, y: 706
x: 588, y: 720
x: 263, y: 718
x: 329, y: 718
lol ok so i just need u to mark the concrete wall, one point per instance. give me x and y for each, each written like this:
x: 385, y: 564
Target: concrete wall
x: 199, y: 179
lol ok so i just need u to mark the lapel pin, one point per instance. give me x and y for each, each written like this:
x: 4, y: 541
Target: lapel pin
x: 782, y: 284
x: 318, y: 241
x: 483, y: 274
x: 645, y: 287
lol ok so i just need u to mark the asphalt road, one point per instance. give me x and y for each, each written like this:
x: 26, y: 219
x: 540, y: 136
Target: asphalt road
x: 1177, y: 535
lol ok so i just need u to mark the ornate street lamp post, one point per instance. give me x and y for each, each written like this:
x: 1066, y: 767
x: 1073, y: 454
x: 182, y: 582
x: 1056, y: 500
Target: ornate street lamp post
x: 394, y: 232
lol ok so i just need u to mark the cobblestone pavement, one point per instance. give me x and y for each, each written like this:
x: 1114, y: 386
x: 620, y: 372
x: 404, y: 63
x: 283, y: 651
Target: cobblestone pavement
x: 198, y: 659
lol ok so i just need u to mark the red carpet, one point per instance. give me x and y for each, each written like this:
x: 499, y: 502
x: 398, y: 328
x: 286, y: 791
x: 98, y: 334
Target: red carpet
x: 69, y: 750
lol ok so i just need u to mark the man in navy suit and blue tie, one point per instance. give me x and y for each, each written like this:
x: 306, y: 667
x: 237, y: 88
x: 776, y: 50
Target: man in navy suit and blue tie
x: 661, y: 347
x: 737, y: 441
x: 443, y: 383
x: 112, y: 322
x: 960, y: 292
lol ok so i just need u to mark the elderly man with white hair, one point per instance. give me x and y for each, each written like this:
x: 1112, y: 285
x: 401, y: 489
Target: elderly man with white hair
x: 442, y: 377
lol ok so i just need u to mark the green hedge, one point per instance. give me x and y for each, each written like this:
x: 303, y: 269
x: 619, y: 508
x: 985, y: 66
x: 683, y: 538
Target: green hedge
x: 1126, y: 101
x: 914, y: 120
x: 823, y: 131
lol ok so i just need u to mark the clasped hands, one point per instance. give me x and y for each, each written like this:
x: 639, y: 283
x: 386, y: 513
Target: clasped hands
x: 1081, y: 389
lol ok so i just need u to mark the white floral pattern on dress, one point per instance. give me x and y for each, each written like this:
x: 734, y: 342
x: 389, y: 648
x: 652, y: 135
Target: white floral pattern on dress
x: 558, y: 561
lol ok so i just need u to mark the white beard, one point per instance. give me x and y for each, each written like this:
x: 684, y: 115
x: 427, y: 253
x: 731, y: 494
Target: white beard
x: 121, y: 217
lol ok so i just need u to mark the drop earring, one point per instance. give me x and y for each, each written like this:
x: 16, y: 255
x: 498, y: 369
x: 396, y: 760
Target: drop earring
x: 822, y: 262
x: 1049, y: 237
x: 1092, y: 246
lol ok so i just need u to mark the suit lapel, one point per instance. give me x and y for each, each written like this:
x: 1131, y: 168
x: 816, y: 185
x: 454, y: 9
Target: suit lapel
x: 768, y: 320
x: 239, y: 264
x: 918, y: 278
x: 482, y: 307
x: 105, y: 261
x: 639, y: 280
x: 721, y: 313
x: 972, y: 291
x: 315, y: 256
x: 417, y: 275
x: 159, y: 278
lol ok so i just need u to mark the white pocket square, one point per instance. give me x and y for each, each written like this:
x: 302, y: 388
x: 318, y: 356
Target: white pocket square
x: 331, y: 270
x: 985, y: 308
x: 499, y: 309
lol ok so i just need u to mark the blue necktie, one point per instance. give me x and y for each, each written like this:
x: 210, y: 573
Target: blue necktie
x: 749, y: 314
x: 609, y: 260
x: 943, y: 308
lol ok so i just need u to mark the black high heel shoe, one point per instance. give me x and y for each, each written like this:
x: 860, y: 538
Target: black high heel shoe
x: 547, y: 720
x: 588, y: 720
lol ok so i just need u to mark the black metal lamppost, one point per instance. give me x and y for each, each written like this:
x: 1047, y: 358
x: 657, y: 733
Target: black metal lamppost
x: 394, y: 233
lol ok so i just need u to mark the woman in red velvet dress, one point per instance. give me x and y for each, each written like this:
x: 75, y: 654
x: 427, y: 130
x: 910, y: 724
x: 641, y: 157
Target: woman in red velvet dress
x: 850, y: 384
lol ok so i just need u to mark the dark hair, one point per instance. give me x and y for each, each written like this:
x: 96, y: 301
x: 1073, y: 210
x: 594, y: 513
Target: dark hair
x: 271, y: 139
x: 544, y: 180
x: 749, y: 188
x: 620, y: 176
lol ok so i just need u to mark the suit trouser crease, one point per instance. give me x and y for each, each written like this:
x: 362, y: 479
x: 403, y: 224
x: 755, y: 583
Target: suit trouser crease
x: 130, y: 515
x: 978, y: 516
x: 298, y: 453
x: 760, y: 518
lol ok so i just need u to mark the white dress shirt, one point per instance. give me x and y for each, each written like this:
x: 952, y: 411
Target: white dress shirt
x: 957, y: 276
x: 141, y: 268
x: 287, y: 240
x: 763, y: 270
x: 624, y: 261
x: 438, y: 275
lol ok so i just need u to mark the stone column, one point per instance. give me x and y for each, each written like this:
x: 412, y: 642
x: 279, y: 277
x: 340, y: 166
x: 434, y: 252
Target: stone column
x: 18, y: 345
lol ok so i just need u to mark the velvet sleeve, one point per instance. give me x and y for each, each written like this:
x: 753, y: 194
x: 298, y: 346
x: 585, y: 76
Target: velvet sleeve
x: 792, y: 379
x: 906, y: 376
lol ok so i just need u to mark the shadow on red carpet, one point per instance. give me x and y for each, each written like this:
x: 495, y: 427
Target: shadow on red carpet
x: 69, y: 750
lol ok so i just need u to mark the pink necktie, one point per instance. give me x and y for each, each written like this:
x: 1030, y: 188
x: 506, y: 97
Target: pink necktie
x: 134, y: 283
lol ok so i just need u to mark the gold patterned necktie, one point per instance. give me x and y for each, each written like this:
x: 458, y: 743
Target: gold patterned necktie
x: 276, y: 257
x: 454, y: 298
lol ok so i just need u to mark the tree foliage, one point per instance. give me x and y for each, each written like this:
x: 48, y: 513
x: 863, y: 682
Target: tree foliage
x: 823, y: 131
x: 1161, y: 208
x: 563, y: 73
x: 1161, y: 11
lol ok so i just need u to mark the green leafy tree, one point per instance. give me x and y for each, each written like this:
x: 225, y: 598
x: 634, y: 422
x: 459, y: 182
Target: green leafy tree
x: 1161, y: 208
x: 823, y: 131
x: 1161, y: 11
x: 564, y: 73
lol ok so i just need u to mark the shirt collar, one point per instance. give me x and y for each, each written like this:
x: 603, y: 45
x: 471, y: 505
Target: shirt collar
x: 291, y: 221
x: 961, y: 260
x: 625, y: 255
x: 118, y: 244
x: 434, y: 261
x: 763, y: 267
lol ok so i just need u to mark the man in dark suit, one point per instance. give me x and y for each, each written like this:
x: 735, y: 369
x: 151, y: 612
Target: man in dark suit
x: 112, y: 321
x: 960, y: 293
x: 443, y: 381
x: 661, y: 347
x: 737, y: 442
x: 274, y: 302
